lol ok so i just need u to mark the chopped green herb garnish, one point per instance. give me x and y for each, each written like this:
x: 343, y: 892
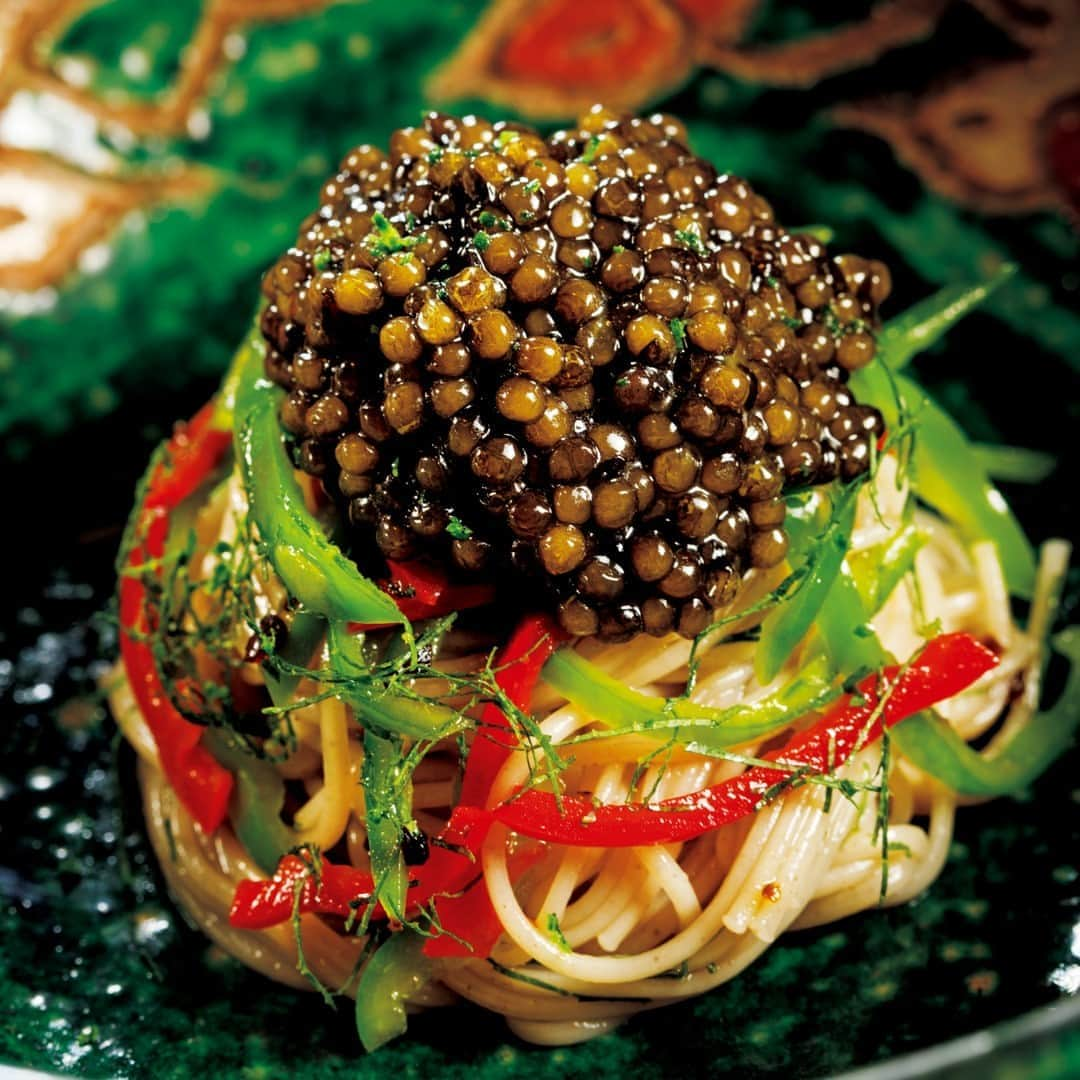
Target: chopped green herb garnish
x: 493, y: 221
x: 532, y: 187
x: 481, y: 240
x: 385, y: 239
x: 678, y: 332
x: 690, y: 239
x: 836, y: 327
x: 504, y: 138
x: 591, y: 148
x: 772, y: 281
x: 458, y: 529
x: 435, y: 156
x: 321, y: 260
x: 618, y: 249
x: 554, y: 931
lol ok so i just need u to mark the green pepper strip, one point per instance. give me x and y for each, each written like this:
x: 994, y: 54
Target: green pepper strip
x: 306, y: 632
x: 879, y: 569
x: 387, y: 710
x: 397, y: 971
x: 787, y: 624
x: 937, y: 749
x: 312, y: 567
x: 1016, y: 464
x: 841, y: 620
x: 949, y: 474
x: 257, y: 799
x: 925, y: 323
x: 388, y: 807
x: 698, y: 727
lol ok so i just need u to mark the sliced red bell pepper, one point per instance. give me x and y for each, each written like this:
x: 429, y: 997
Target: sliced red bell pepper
x: 518, y: 669
x: 202, y: 785
x: 470, y: 917
x: 342, y: 890
x: 473, y: 924
x: 258, y: 904
x: 947, y: 665
x: 422, y: 591
x: 193, y: 451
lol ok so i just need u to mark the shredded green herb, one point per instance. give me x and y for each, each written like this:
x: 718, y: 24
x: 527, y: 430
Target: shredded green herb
x: 493, y: 221
x: 385, y: 239
x: 554, y: 931
x: 591, y: 149
x: 678, y: 332
x: 458, y: 529
x: 690, y: 239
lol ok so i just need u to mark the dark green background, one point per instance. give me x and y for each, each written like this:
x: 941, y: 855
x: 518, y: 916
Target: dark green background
x: 98, y: 973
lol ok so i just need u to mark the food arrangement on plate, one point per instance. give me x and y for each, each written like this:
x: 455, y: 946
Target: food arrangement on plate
x: 568, y: 591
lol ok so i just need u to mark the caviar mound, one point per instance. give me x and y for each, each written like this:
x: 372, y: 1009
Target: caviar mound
x: 588, y: 365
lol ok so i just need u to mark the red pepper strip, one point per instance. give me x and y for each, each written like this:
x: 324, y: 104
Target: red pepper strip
x: 518, y: 669
x: 341, y: 889
x: 201, y: 783
x: 258, y: 904
x: 472, y: 917
x: 195, y: 449
x: 947, y: 665
x: 421, y: 581
x: 421, y: 591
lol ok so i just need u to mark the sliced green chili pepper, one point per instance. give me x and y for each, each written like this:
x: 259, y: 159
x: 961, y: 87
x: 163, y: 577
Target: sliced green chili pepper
x: 948, y: 474
x: 819, y: 555
x: 1015, y: 463
x: 306, y: 632
x: 257, y: 799
x: 397, y: 971
x: 388, y: 806
x: 950, y: 477
x: 925, y: 323
x: 387, y: 710
x: 843, y: 624
x: 312, y: 567
x: 936, y: 748
x: 877, y: 570
x: 696, y: 726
